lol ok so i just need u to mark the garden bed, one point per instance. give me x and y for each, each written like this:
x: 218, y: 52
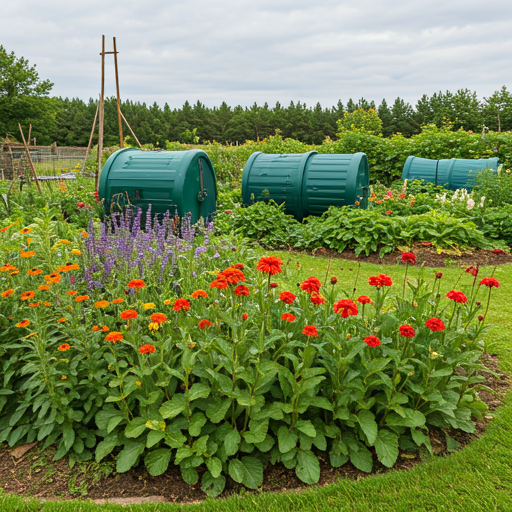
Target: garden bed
x: 35, y: 474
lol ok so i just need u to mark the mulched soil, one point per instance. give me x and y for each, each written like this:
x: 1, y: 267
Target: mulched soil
x: 34, y: 474
x: 424, y: 256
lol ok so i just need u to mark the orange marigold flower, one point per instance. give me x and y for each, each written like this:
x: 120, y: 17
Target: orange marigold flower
x: 76, y: 252
x: 101, y: 304
x: 43, y: 288
x: 14, y: 272
x: 72, y: 292
x: 114, y: 336
x: 95, y: 328
x: 158, y: 318
x: 221, y: 283
x: 147, y: 349
x: 34, y: 304
x: 63, y: 377
x: 68, y: 267
x: 24, y: 231
x: 129, y: 313
x: 136, y: 283
x: 34, y: 272
x: 204, y: 324
x: 242, y: 290
x: 117, y: 301
x: 27, y: 295
x: 47, y: 304
x: 105, y: 328
x: 310, y: 330
x: 7, y: 268
x: 167, y: 302
x: 81, y: 298
x: 61, y: 320
x: 64, y: 347
x: 180, y: 304
x: 7, y: 293
x: 288, y: 317
x: 199, y: 293
x: 23, y: 323
x: 269, y: 265
x: 27, y: 254
x: 233, y: 275
x: 85, y: 234
x: 54, y: 277
x: 3, y: 230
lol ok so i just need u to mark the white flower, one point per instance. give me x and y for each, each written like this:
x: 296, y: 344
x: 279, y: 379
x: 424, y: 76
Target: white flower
x: 456, y: 195
x: 470, y: 204
x: 481, y: 205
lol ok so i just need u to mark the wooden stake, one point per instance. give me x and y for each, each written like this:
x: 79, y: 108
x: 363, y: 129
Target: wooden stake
x: 29, y: 133
x: 101, y: 112
x: 90, y: 138
x: 121, y: 141
x: 130, y: 128
x: 30, y: 160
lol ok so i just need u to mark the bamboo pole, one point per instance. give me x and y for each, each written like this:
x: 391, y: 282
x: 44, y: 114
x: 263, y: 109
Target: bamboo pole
x: 101, y: 113
x: 121, y: 141
x: 90, y: 138
x: 130, y: 128
x: 30, y: 160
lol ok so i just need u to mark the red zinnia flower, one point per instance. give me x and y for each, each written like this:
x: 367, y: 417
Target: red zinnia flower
x: 221, y: 282
x: 472, y: 270
x: 288, y: 317
x: 204, y: 324
x: 364, y: 299
x: 114, y: 336
x: 439, y: 275
x: 158, y: 318
x: 490, y: 282
x: 347, y: 307
x: 380, y: 281
x: 407, y: 331
x: 23, y: 323
x: 435, y: 324
x: 409, y: 257
x: 129, y: 313
x: 269, y: 265
x: 64, y: 347
x: 80, y: 205
x: 372, y: 341
x: 147, y: 349
x: 245, y: 316
x: 498, y: 251
x: 311, y: 284
x: 273, y: 285
x: 287, y: 297
x: 199, y: 293
x: 27, y: 295
x: 180, y: 304
x: 241, y: 290
x: 232, y: 275
x: 388, y: 212
x: 310, y: 330
x: 317, y: 299
x: 239, y: 266
x: 334, y: 280
x: 136, y: 283
x: 457, y: 296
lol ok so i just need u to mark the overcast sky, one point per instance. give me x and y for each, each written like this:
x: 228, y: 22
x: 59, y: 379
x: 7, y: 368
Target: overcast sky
x: 266, y: 51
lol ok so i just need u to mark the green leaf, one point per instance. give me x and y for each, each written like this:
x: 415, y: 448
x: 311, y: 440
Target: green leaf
x: 114, y: 422
x: 173, y: 437
x: 106, y: 446
x: 368, y: 425
x: 157, y: 461
x: 386, y: 446
x: 362, y: 459
x: 287, y: 440
x: 154, y: 437
x: 68, y: 435
x: 443, y: 372
x: 198, y: 390
x: 103, y: 416
x: 308, y: 467
x: 420, y: 438
x: 174, y: 406
x: 257, y: 431
x: 214, y: 465
x: 135, y: 428
x: 190, y: 475
x: 451, y: 444
x: 306, y: 427
x: 212, y: 486
x: 412, y: 419
x: 253, y: 475
x: 129, y: 455
x: 197, y: 420
x: 231, y: 442
x: 216, y: 410
x: 337, y: 455
x: 236, y: 470
x: 266, y: 444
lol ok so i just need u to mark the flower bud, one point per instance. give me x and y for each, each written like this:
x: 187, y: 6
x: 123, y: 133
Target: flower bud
x: 273, y: 285
x: 480, y: 318
x: 334, y: 280
x: 439, y: 275
x: 478, y: 303
x: 349, y: 336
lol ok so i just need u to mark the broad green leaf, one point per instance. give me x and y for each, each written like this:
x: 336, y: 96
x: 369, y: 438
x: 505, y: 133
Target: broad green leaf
x: 135, y: 428
x: 306, y: 427
x: 231, y: 442
x: 362, y: 459
x: 308, y: 467
x: 257, y: 431
x: 157, y: 461
x: 174, y: 406
x: 129, y: 455
x: 386, y: 446
x: 421, y: 438
x: 412, y: 419
x: 103, y: 416
x: 114, y: 422
x: 216, y: 410
x: 154, y: 437
x: 368, y: 424
x: 266, y: 444
x: 253, y: 475
x: 173, y: 437
x: 106, y: 446
x: 236, y: 470
x: 68, y: 435
x: 190, y: 475
x: 197, y: 420
x: 287, y: 440
x: 212, y: 486
x: 214, y: 465
x: 451, y: 444
x: 198, y: 390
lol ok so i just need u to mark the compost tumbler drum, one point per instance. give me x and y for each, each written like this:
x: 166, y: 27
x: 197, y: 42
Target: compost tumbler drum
x: 308, y: 183
x: 175, y: 181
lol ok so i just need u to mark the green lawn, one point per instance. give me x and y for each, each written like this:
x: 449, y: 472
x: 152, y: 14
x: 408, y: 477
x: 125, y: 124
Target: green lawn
x: 478, y: 478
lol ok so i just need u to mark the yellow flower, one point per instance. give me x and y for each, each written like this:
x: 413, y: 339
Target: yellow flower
x: 167, y: 302
x: 357, y: 203
x: 138, y: 383
x: 64, y: 241
x: 85, y: 234
x: 24, y: 231
x: 29, y: 241
x: 63, y: 377
x: 101, y: 304
x: 153, y: 326
x: 76, y: 252
x: 149, y: 305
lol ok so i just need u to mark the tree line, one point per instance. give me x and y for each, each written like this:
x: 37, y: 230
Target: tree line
x: 25, y: 98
